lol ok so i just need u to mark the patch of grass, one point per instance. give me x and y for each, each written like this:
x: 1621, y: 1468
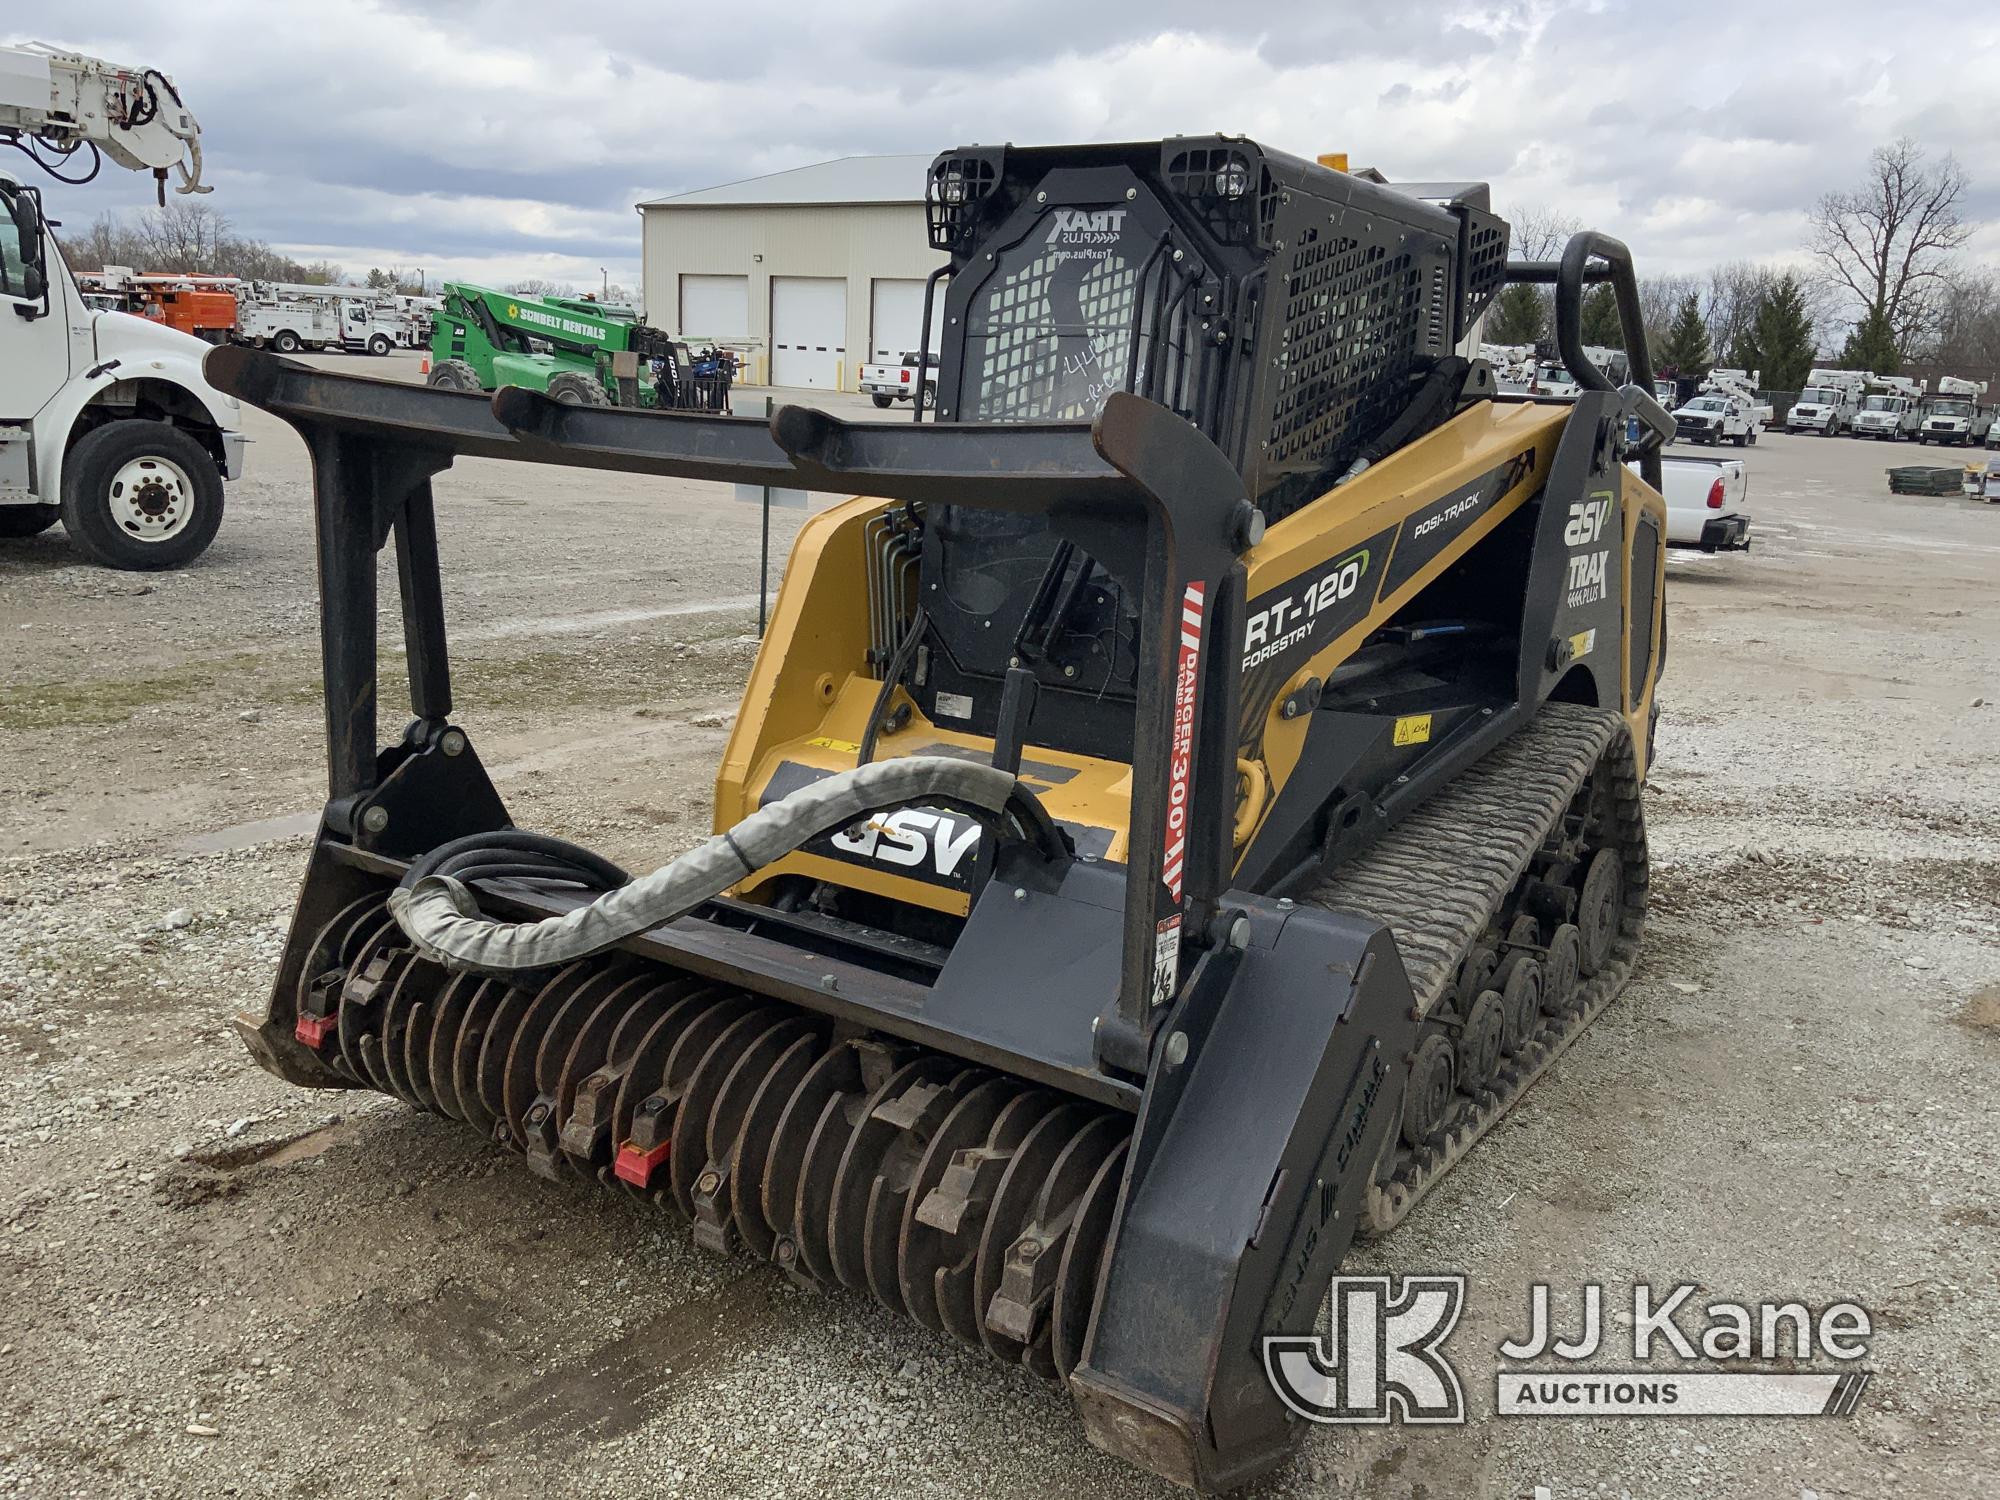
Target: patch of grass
x: 112, y: 700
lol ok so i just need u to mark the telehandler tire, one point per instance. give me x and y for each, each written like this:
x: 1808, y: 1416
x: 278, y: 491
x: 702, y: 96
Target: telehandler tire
x: 454, y: 375
x: 573, y: 389
x: 141, y: 496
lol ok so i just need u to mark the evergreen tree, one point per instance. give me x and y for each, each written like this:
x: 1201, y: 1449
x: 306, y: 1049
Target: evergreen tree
x: 1685, y: 349
x: 1601, y: 327
x: 1872, y: 346
x: 1780, y: 341
x: 1520, y: 316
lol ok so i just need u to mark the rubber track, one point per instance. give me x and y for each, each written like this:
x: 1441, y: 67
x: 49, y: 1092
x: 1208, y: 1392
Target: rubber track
x: 1438, y: 880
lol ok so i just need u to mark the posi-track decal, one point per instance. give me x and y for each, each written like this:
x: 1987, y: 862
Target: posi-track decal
x: 1180, y: 778
x: 1427, y: 532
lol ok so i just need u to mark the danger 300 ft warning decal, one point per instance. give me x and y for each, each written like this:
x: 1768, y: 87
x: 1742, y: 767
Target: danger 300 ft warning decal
x: 1180, y: 780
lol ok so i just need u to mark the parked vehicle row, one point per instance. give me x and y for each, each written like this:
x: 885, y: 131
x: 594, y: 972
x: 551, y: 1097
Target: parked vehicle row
x: 282, y: 316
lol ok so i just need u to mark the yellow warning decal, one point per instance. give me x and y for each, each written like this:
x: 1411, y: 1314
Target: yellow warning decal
x: 1583, y: 643
x: 845, y: 747
x: 1413, y: 729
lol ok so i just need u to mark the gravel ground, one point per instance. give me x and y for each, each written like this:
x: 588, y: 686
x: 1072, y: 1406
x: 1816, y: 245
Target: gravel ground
x: 218, y: 1285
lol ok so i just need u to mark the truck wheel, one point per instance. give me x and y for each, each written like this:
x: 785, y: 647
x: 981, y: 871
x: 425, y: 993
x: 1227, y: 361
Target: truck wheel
x: 572, y: 388
x: 930, y: 396
x: 883, y: 403
x: 17, y: 521
x: 380, y: 345
x: 454, y: 375
x: 285, y: 341
x: 141, y: 495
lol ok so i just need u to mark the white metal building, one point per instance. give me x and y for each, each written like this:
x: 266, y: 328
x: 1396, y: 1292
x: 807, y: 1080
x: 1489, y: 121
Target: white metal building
x: 815, y: 272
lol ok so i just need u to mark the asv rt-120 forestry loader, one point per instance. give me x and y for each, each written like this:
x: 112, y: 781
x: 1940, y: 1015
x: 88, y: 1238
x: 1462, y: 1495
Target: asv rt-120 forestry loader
x: 1166, y: 826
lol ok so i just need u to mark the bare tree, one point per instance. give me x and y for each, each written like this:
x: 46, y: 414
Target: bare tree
x: 1735, y: 293
x: 536, y: 286
x: 1541, y: 232
x: 1660, y: 299
x: 1968, y: 328
x: 181, y: 237
x: 1889, y: 241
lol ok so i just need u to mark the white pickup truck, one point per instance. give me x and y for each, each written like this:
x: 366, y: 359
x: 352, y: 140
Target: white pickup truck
x: 1714, y: 417
x: 1705, y: 503
x: 886, y: 384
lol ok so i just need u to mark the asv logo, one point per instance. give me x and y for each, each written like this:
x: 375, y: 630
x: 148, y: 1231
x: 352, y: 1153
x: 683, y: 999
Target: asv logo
x: 1382, y: 1360
x: 1099, y: 226
x: 911, y: 837
x: 1587, y: 518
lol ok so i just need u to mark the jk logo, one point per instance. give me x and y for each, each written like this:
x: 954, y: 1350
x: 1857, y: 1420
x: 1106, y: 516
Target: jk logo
x: 1382, y: 1361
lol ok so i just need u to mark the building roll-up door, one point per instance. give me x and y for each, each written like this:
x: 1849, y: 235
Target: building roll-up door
x: 808, y: 330
x: 897, y: 310
x: 715, y: 307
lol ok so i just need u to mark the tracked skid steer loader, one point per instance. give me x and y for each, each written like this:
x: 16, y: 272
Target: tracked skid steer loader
x: 1173, y: 815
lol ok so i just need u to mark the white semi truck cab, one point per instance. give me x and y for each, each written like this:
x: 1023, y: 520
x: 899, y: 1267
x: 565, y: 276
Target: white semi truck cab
x: 106, y: 423
x: 1955, y: 413
x: 1828, y: 402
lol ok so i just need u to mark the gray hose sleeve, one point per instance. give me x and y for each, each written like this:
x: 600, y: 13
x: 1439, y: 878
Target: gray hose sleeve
x: 442, y: 917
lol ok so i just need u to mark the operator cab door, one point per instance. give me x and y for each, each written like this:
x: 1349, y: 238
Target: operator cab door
x: 34, y: 309
x: 353, y: 322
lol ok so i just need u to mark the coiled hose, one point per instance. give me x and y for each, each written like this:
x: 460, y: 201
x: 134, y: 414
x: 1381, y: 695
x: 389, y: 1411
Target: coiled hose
x: 436, y: 908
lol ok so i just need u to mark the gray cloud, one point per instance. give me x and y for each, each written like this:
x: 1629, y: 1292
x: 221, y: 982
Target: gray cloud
x: 451, y: 134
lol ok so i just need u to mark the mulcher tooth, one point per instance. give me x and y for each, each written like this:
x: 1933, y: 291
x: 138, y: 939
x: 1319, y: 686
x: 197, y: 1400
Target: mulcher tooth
x: 319, y: 1015
x: 375, y: 978
x: 714, y: 1229
x: 959, y: 1200
x: 644, y: 1152
x: 1028, y: 1280
x: 586, y: 1134
x: 543, y: 1152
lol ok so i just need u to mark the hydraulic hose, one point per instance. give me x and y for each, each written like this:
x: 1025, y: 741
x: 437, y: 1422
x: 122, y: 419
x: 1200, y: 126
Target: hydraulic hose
x: 437, y: 909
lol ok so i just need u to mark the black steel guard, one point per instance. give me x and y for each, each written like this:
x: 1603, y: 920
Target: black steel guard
x: 1590, y: 258
x: 1145, y: 493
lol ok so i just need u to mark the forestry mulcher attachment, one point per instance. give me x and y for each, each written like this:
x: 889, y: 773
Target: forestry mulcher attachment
x: 1166, y: 826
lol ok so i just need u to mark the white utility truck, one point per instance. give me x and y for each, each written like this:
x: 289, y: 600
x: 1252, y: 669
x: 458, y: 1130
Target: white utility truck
x: 1828, y: 402
x: 1953, y: 413
x: 1889, y: 408
x: 106, y: 423
x: 289, y: 317
x: 1742, y: 384
x: 1716, y: 416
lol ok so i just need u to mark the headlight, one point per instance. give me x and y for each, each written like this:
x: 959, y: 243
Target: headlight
x: 1233, y: 180
x: 952, y: 189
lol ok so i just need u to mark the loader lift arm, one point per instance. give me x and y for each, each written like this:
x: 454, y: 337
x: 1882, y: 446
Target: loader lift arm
x: 55, y: 105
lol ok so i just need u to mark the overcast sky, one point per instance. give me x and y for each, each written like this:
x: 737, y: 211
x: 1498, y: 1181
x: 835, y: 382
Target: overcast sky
x: 509, y: 139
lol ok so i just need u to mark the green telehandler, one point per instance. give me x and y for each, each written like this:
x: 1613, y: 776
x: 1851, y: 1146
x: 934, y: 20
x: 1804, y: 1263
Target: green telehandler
x: 581, y: 352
